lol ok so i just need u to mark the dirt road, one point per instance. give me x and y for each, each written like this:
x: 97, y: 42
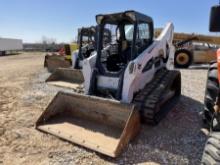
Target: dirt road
x: 24, y: 95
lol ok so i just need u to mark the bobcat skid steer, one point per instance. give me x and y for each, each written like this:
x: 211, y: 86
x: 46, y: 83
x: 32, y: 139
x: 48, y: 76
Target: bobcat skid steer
x: 71, y: 76
x: 126, y: 82
x: 60, y: 59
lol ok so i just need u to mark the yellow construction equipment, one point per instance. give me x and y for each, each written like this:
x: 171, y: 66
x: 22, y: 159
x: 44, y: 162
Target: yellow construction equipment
x: 192, y: 37
x: 61, y: 59
x: 193, y: 48
x: 69, y: 48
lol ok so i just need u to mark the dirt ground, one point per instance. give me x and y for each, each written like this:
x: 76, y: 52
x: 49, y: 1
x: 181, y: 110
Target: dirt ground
x: 24, y: 95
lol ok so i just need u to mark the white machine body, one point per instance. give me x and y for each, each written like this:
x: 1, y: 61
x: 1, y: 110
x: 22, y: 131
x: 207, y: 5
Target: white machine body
x: 134, y: 77
x: 75, y: 59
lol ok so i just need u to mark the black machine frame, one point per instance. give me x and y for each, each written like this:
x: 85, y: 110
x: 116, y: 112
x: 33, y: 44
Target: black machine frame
x: 131, y: 17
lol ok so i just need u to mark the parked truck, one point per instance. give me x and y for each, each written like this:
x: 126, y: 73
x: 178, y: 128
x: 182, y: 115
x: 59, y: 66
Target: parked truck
x: 7, y: 44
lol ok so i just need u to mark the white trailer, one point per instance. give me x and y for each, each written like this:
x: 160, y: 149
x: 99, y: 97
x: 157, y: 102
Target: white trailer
x: 7, y: 44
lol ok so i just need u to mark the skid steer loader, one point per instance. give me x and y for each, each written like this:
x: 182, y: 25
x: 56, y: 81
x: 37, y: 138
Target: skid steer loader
x: 126, y: 82
x: 66, y: 58
x: 72, y: 77
x: 60, y: 59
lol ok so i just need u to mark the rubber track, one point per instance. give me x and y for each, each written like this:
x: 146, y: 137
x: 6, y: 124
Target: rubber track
x: 211, y: 153
x: 148, y: 100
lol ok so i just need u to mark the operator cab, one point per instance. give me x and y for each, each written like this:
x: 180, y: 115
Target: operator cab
x: 131, y: 34
x: 86, y: 40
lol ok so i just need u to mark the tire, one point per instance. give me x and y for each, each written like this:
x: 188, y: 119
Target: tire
x: 211, y: 153
x: 211, y: 94
x: 183, y: 58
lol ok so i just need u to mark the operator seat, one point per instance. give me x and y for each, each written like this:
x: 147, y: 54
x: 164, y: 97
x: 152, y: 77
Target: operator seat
x: 125, y: 51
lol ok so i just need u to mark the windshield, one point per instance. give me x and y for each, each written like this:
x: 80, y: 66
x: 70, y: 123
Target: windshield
x: 88, y: 43
x: 86, y: 39
x: 116, y: 54
x: 125, y: 44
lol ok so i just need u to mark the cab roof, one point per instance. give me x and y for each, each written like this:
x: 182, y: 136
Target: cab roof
x: 87, y: 31
x: 130, y: 16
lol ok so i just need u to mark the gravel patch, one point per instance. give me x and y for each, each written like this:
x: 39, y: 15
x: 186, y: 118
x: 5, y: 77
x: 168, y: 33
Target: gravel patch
x: 177, y: 139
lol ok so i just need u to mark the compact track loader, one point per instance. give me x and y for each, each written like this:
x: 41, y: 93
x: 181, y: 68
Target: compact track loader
x: 71, y: 76
x: 127, y: 82
x: 61, y: 59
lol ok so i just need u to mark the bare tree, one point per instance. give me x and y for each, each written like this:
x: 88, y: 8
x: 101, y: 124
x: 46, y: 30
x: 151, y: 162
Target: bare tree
x: 47, y: 40
x: 48, y: 43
